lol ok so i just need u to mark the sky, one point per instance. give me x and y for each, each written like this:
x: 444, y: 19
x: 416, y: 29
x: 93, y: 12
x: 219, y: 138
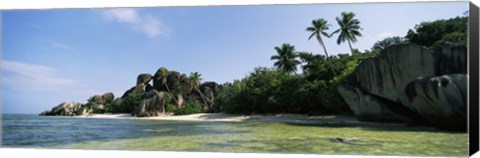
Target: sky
x: 52, y: 56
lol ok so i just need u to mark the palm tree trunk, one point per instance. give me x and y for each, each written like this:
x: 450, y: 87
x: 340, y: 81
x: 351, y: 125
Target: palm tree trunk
x: 350, y: 44
x: 204, y: 98
x: 326, y: 54
x: 173, y: 96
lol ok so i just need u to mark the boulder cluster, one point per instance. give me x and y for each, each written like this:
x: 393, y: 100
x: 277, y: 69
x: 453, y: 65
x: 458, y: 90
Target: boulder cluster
x: 158, y: 91
x: 408, y: 83
x: 96, y: 103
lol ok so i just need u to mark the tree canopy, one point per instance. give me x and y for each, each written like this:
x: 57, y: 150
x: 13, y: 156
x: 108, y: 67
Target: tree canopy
x: 286, y: 58
x: 349, y: 29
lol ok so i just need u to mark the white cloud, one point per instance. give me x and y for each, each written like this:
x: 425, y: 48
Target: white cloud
x: 123, y: 15
x: 26, y: 77
x: 59, y: 45
x: 142, y: 23
x: 387, y: 34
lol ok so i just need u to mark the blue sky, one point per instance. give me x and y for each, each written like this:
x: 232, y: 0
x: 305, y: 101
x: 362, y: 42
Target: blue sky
x: 52, y: 56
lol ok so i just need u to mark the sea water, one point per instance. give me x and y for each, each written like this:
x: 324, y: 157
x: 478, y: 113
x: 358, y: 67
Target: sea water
x: 32, y: 131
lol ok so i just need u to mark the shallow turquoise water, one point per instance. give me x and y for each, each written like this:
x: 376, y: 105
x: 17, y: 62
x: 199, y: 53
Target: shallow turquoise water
x: 122, y: 134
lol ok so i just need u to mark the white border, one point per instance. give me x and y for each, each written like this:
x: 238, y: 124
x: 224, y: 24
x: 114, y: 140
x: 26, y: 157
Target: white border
x: 56, y: 4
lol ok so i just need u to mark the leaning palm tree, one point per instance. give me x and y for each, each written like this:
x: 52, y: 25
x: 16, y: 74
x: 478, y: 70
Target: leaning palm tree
x: 349, y: 29
x: 318, y: 28
x: 286, y: 58
x: 195, y: 80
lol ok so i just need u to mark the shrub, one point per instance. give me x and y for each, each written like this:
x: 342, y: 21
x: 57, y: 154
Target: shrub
x: 127, y: 104
x: 171, y: 108
x: 191, y: 107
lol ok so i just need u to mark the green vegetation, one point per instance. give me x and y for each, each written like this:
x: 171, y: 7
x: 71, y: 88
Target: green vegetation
x: 318, y: 28
x: 195, y: 79
x: 388, y: 42
x: 431, y: 34
x: 272, y: 91
x: 286, y: 58
x: 268, y: 90
x: 191, y: 107
x: 349, y: 29
x: 285, y: 138
x: 128, y: 104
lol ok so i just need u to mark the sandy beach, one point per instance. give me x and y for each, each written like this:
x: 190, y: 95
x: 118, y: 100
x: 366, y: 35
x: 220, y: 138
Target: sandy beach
x: 222, y: 117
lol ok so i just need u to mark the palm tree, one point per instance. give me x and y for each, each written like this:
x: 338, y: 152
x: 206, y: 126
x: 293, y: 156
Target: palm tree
x: 349, y: 29
x: 286, y: 58
x: 318, y: 28
x: 195, y: 79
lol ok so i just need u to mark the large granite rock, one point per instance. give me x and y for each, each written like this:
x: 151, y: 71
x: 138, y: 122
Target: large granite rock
x: 452, y: 60
x: 367, y: 107
x: 144, y: 78
x: 441, y: 100
x: 101, y: 102
x: 136, y: 89
x: 206, y: 95
x: 160, y: 79
x: 376, y: 90
x: 215, y: 87
x: 108, y: 97
x: 387, y: 74
x: 64, y: 109
x: 153, y: 105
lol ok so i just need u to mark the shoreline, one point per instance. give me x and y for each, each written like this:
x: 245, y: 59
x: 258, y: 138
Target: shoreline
x: 222, y: 117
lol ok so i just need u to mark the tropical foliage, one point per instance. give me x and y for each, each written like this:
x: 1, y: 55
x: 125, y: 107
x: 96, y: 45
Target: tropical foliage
x: 286, y: 58
x: 319, y: 28
x: 128, y: 104
x: 349, y: 29
x: 429, y: 33
x: 195, y: 79
x: 388, y: 42
x: 191, y: 107
x: 313, y: 92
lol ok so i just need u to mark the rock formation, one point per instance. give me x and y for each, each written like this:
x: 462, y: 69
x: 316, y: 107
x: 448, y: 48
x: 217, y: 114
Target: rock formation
x: 144, y: 78
x: 441, y: 100
x: 152, y: 105
x: 135, y: 89
x: 66, y: 109
x: 96, y: 103
x: 149, y: 100
x: 377, y: 89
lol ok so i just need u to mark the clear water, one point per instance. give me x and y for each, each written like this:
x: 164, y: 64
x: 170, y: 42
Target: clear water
x: 32, y: 131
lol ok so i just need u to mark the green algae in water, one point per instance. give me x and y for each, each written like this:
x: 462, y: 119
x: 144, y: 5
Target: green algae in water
x: 287, y: 138
x: 130, y: 134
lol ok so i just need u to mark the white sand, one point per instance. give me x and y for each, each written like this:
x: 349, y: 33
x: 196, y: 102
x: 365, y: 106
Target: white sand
x: 221, y: 117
